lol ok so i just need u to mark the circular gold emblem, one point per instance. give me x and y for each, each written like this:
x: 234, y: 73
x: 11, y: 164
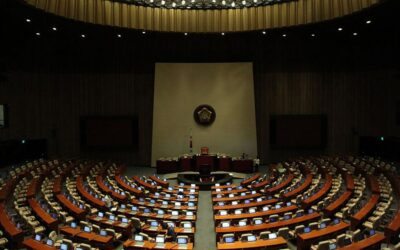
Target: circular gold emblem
x: 204, y: 115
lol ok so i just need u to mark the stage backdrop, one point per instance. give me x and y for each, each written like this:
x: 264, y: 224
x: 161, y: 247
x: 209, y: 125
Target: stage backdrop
x: 180, y: 87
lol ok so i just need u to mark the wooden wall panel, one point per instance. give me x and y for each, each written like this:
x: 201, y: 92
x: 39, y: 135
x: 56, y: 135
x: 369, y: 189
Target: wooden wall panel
x: 227, y: 20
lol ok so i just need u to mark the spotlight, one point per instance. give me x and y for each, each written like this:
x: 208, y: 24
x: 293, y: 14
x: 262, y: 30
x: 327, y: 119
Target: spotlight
x: 143, y: 32
x: 313, y: 35
x: 340, y: 29
x: 223, y: 2
x: 119, y: 35
x: 54, y: 28
x: 355, y: 34
x: 185, y: 33
x: 368, y: 22
x: 255, y: 1
x: 244, y: 2
x: 174, y: 4
x: 37, y: 33
x: 223, y: 34
x: 83, y: 35
x: 233, y: 4
x: 284, y: 35
x: 162, y: 2
x: 28, y: 20
x: 264, y: 32
x: 183, y: 2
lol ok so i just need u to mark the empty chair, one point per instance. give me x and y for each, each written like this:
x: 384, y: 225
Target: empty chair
x: 283, y: 232
x: 322, y: 245
x: 297, y: 230
x: 228, y: 238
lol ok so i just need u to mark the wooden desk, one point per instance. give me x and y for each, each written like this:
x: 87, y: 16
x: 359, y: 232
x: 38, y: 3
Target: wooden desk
x: 10, y: 229
x: 128, y: 187
x: 8, y: 188
x: 237, y: 198
x: 160, y: 182
x: 205, y: 160
x: 349, y: 182
x: 37, y: 245
x: 67, y: 204
x: 82, y: 191
x: 43, y: 215
x: 242, y: 205
x: 144, y: 184
x: 392, y: 230
x: 242, y: 166
x: 338, y: 203
x: 104, y: 188
x: 255, y: 215
x: 269, y: 226
x: 224, y: 163
x: 233, y: 191
x: 33, y: 187
x: 130, y: 244
x: 118, y: 226
x: 159, y: 205
x: 224, y: 186
x: 248, y: 181
x: 305, y: 240
x: 281, y: 185
x: 166, y: 166
x: 57, y: 185
x: 373, y: 184
x: 364, y: 211
x: 374, y: 240
x: 300, y: 188
x: 318, y: 195
x: 269, y: 244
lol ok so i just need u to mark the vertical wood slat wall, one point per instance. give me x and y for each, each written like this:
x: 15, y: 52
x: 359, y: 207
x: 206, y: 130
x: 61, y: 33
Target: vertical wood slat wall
x: 177, y: 20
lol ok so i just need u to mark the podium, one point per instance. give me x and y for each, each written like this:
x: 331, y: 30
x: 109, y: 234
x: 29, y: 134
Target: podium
x: 203, y: 161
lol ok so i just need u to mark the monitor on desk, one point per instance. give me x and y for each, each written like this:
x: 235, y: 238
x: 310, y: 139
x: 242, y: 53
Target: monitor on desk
x: 178, y: 204
x: 371, y: 232
x: 103, y: 232
x: 170, y: 189
x: 73, y: 224
x: 307, y: 230
x: 160, y: 239
x: 229, y: 239
x: 154, y: 223
x: 242, y: 223
x: 146, y: 210
x: 124, y: 220
x: 152, y: 201
x: 182, y: 241
x: 253, y: 192
x: 272, y: 236
x: 258, y: 222
x: 252, y: 210
x: 112, y: 217
x: 189, y: 213
x: 100, y: 214
x: 332, y: 246
x: 266, y: 208
x: 288, y: 204
x: 223, y: 212
x: 49, y: 242
x: 180, y: 189
x: 229, y: 189
x: 251, y: 238
x: 234, y: 203
x: 310, y: 211
x: 336, y: 221
x: 238, y: 211
x: 63, y: 246
x: 160, y: 212
x: 242, y: 194
x: 164, y: 202
x: 123, y: 206
x: 246, y: 201
x: 134, y: 208
x: 156, y: 194
x: 138, y: 237
x: 167, y: 195
x: 191, y: 204
x: 38, y: 237
x: 175, y: 213
x: 259, y: 199
x: 225, y: 224
x: 86, y: 229
x: 322, y: 226
x: 187, y: 225
x: 192, y: 196
x: 217, y: 184
x: 218, y: 190
x: 277, y: 206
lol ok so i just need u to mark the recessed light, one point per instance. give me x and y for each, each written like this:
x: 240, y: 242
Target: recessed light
x: 143, y: 32
x: 264, y: 32
x: 54, y: 28
x: 284, y: 35
x: 313, y: 35
x: 355, y: 34
x: 173, y: 4
x: 119, y: 35
x: 223, y: 33
x: 368, y: 22
x: 185, y: 33
x: 28, y: 20
x: 83, y: 35
x: 162, y: 2
x: 183, y: 2
x: 38, y: 33
x: 340, y: 29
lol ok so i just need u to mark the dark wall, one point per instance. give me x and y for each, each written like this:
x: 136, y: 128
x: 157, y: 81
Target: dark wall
x: 50, y: 81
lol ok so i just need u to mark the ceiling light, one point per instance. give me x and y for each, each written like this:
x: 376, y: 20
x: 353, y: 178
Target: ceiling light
x: 244, y: 2
x: 143, y: 32
x: 355, y: 34
x: 313, y: 35
x: 83, y: 35
x: 255, y: 1
x: 119, y: 35
x: 173, y: 4
x: 54, y: 28
x: 284, y: 35
x: 233, y: 4
x: 38, y: 33
x: 340, y: 29
x: 185, y: 34
x: 223, y: 33
x: 223, y: 2
x: 28, y: 20
x: 183, y: 2
x: 162, y: 2
x: 368, y: 22
x: 264, y: 32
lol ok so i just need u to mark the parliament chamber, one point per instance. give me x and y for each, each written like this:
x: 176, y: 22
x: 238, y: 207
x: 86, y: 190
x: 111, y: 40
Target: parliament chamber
x: 199, y: 124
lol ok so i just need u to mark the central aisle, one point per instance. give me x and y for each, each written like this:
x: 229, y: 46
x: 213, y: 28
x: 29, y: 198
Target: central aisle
x: 205, y: 230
